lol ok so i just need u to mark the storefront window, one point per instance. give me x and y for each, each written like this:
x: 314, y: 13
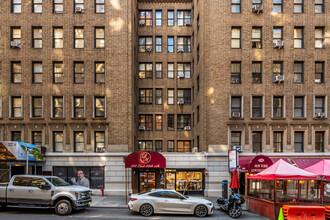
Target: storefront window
x: 287, y: 190
x: 254, y: 188
x: 267, y: 190
x: 326, y: 198
x: 309, y: 191
x: 170, y: 180
x: 189, y: 181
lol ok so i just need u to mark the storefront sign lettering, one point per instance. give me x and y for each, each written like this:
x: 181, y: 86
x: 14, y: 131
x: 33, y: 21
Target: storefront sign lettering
x: 260, y: 163
x: 145, y: 159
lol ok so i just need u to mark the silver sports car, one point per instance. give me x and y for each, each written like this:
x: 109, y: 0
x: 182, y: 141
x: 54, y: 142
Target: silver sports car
x: 169, y: 202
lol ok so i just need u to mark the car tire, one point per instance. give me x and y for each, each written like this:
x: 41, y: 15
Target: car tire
x: 201, y: 211
x: 3, y: 206
x: 146, y: 210
x: 63, y: 207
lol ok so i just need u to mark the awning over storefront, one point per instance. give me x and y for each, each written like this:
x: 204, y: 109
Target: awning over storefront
x: 145, y: 159
x: 322, y: 168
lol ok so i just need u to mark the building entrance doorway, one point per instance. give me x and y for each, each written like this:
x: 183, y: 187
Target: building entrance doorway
x: 147, y: 181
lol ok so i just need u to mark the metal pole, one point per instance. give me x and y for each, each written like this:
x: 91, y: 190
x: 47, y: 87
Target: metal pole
x: 27, y: 159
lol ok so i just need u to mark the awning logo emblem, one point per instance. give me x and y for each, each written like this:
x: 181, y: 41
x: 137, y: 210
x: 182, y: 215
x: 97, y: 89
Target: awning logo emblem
x: 145, y: 157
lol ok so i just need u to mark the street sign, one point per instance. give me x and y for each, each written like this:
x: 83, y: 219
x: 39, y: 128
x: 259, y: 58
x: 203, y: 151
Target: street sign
x: 238, y: 148
x: 232, y: 160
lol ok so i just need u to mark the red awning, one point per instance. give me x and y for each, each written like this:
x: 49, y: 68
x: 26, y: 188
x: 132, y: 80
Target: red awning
x: 145, y: 159
x: 322, y: 168
x: 305, y: 162
x: 244, y: 163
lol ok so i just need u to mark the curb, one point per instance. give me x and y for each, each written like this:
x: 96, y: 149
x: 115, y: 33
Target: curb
x: 109, y: 207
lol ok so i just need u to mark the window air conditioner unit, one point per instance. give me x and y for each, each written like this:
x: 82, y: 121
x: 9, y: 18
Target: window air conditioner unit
x: 279, y: 44
x: 279, y: 79
x: 100, y: 149
x: 180, y: 75
x: 320, y: 115
x: 142, y: 23
x: 149, y: 49
x: 79, y: 10
x: 187, y: 128
x: 180, y: 102
x: 317, y: 80
x: 257, y: 8
x: 188, y: 22
x: 195, y: 150
x: 180, y: 50
x: 235, y: 114
x: 142, y: 128
x: 15, y: 44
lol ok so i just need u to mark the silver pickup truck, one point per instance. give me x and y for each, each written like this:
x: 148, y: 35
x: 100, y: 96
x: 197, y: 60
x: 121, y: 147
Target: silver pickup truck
x: 44, y: 191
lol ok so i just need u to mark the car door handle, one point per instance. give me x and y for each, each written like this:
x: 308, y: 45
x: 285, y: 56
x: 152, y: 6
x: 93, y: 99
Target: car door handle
x: 30, y: 190
x: 165, y: 201
x: 11, y: 190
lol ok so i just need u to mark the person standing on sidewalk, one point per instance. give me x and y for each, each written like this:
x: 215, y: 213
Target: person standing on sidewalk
x: 81, y: 180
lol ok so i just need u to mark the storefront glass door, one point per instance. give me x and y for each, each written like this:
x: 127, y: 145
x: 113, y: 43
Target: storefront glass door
x: 147, y: 181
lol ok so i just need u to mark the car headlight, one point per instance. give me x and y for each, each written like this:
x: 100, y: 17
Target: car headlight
x: 209, y: 204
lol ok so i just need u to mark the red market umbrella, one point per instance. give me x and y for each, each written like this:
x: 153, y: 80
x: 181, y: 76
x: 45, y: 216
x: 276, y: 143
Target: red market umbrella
x: 321, y: 168
x: 234, y: 184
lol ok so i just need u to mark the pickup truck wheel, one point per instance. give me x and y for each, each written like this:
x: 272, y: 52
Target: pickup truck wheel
x: 3, y: 206
x: 63, y: 207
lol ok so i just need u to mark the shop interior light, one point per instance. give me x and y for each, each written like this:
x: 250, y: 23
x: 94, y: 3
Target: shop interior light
x: 206, y: 172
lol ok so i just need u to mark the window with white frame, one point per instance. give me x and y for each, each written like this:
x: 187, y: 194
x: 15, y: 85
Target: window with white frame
x: 99, y: 72
x: 278, y: 106
x: 37, y: 138
x: 99, y: 141
x: 257, y: 106
x: 319, y: 141
x: 278, y: 141
x: 298, y: 141
x: 319, y: 105
x: 319, y: 37
x: 58, y: 72
x: 298, y: 72
x: 235, y: 138
x: 319, y: 72
x: 257, y: 37
x: 299, y: 107
x: 58, y: 140
x: 235, y: 72
x: 36, y: 106
x: 99, y: 107
x: 78, y: 141
x: 235, y: 37
x: 16, y: 72
x: 58, y: 107
x: 257, y: 141
x: 79, y: 76
x: 236, y: 106
x: 78, y: 107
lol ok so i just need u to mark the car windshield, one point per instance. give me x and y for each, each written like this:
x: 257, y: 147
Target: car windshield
x: 56, y: 181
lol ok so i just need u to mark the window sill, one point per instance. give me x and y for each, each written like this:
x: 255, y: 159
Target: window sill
x: 299, y: 118
x: 103, y: 118
x: 14, y: 118
x: 240, y: 118
x: 37, y: 118
x: 258, y: 118
x: 57, y: 118
x: 320, y: 118
x: 78, y: 118
x: 278, y: 118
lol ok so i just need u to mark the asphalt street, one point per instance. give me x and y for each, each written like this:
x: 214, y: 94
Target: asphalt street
x: 104, y: 213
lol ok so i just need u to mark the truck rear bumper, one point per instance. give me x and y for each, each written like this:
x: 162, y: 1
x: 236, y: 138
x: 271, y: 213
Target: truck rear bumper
x: 81, y: 204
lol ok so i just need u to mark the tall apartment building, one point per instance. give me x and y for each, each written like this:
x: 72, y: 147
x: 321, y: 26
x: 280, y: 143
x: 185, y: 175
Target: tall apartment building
x: 186, y: 78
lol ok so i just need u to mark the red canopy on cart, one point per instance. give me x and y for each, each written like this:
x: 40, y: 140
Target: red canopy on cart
x: 321, y: 168
x: 283, y: 170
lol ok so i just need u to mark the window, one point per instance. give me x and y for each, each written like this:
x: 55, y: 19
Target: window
x: 159, y: 45
x: 145, y: 44
x: 170, y: 70
x: 58, y: 107
x: 16, y: 136
x: 197, y: 113
x: 170, y: 96
x: 256, y: 72
x: 17, y: 107
x: 277, y: 6
x: 159, y: 122
x: 277, y: 68
x: 58, y: 72
x: 36, y: 107
x: 146, y: 121
x: 159, y: 70
x: 99, y: 72
x: 37, y: 72
x: 278, y: 107
x: 257, y: 141
x: 170, y: 18
x: 298, y: 6
x: 298, y: 72
x: 78, y: 141
x: 319, y: 141
x: 16, y: 72
x: 184, y: 18
x: 277, y: 34
x: 145, y: 145
x: 37, y: 37
x: 37, y: 6
x: 170, y: 146
x: 184, y: 44
x: 235, y: 37
x: 235, y: 72
x: 99, y: 107
x: 58, y: 6
x: 99, y: 6
x: 319, y: 72
x: 16, y: 35
x: 319, y: 6
x: 299, y: 106
x: 184, y: 96
x: 1, y: 107
x: 158, y: 18
x: 58, y: 37
x: 256, y: 2
x: 319, y: 37
x: 99, y: 141
x: 197, y: 83
x: 235, y: 138
x: 257, y: 107
x: 299, y: 141
x: 58, y: 141
x: 170, y: 122
x: 159, y: 96
x: 145, y: 71
x: 298, y: 37
x: 170, y: 44
x: 78, y: 37
x: 184, y: 70
x: 78, y: 107
x: 79, y: 77
x: 235, y: 6
x: 37, y: 138
x: 16, y: 6
x: 99, y: 37
x: 197, y: 23
x: 319, y: 105
x: 257, y: 37
x: 236, y: 105
x: 145, y: 96
x: 79, y: 6
x: 145, y: 18
x: 184, y: 146
x: 184, y: 121
x: 159, y: 146
x: 278, y: 142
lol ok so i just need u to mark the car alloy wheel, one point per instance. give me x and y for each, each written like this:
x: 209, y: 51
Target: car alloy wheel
x: 201, y: 211
x: 146, y: 210
x: 63, y: 207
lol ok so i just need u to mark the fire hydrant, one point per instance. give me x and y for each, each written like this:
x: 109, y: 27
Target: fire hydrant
x: 102, y: 191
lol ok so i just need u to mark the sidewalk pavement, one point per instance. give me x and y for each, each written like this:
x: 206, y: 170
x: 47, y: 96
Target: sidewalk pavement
x: 120, y: 201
